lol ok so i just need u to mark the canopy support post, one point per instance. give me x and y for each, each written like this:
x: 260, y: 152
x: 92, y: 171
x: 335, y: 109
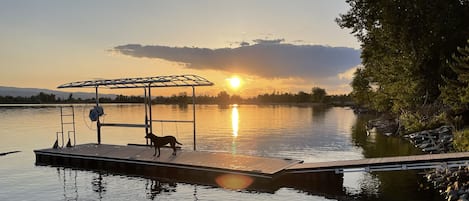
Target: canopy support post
x: 98, y: 123
x: 149, y: 108
x: 193, y: 114
x: 145, y: 102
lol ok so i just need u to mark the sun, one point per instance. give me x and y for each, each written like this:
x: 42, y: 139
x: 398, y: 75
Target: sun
x: 235, y: 82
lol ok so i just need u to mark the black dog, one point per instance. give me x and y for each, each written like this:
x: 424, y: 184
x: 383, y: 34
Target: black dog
x: 161, y: 141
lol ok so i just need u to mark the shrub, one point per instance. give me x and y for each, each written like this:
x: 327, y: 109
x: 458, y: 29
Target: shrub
x: 416, y: 121
x: 461, y: 140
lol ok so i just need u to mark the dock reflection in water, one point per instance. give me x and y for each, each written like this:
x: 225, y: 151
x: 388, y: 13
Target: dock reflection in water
x: 107, y: 186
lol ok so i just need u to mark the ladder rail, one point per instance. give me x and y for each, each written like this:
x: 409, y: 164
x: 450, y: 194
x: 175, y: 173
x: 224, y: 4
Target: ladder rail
x: 63, y: 123
x: 73, y: 120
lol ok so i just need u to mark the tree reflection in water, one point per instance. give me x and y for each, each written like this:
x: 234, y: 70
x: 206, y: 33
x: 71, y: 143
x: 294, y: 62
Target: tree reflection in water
x: 399, y: 185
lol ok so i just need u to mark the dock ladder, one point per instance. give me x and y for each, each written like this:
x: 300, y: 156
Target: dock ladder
x: 66, y: 119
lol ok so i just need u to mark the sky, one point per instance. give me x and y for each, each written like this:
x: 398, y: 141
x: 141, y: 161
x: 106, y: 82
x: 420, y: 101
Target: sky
x: 270, y: 45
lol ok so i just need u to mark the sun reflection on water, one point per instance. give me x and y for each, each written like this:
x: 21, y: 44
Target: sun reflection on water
x: 235, y: 120
x: 234, y: 181
x: 234, y: 126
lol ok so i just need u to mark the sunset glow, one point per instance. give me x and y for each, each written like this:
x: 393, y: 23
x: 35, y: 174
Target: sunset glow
x: 235, y: 82
x: 241, y: 56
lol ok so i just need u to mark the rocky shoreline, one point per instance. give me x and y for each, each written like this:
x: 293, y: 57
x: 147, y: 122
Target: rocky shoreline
x: 438, y: 140
x: 453, y: 183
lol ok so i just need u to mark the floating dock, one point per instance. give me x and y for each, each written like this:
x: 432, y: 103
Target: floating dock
x: 226, y: 170
x: 216, y: 162
x: 426, y: 161
x: 234, y: 171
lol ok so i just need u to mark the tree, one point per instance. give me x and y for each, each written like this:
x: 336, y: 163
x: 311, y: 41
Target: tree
x: 223, y: 97
x: 44, y: 98
x: 318, y: 94
x: 70, y: 97
x: 456, y: 91
x: 405, y: 46
x: 303, y: 97
x: 361, y: 88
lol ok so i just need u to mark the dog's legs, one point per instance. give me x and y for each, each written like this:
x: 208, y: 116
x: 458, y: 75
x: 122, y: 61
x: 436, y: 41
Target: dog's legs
x: 159, y: 152
x: 155, y: 152
x: 173, y: 145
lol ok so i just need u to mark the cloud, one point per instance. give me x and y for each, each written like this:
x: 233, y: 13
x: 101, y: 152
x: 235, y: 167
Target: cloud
x: 264, y: 58
x: 348, y: 74
x: 243, y: 43
x: 266, y: 41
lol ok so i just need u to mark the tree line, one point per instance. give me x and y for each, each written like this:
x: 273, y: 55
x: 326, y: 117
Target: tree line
x: 317, y: 95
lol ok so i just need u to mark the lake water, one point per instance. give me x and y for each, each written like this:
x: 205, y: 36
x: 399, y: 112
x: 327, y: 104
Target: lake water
x: 308, y: 133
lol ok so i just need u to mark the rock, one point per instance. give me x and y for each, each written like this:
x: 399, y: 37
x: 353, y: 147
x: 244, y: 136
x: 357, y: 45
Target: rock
x: 452, y: 183
x: 385, y: 125
x: 434, y: 141
x: 452, y: 196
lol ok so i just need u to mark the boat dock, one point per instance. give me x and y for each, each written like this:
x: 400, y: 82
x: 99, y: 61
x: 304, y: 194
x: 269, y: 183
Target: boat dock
x: 97, y: 155
x: 232, y: 171
x: 253, y: 172
x: 426, y: 161
x: 133, y: 156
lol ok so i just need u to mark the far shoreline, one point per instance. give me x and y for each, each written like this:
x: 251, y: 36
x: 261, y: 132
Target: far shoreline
x: 48, y: 105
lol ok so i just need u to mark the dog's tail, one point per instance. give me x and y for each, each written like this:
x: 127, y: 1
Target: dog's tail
x: 178, y: 143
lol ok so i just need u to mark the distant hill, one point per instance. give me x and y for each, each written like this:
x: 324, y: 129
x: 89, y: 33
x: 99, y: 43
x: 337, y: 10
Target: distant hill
x: 28, y: 92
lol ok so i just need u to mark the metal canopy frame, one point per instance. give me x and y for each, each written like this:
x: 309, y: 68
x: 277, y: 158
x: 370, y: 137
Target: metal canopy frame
x: 146, y: 83
x: 157, y: 81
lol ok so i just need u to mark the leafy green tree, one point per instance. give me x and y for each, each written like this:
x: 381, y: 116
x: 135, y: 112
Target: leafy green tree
x: 405, y: 46
x: 318, y: 94
x: 361, y: 88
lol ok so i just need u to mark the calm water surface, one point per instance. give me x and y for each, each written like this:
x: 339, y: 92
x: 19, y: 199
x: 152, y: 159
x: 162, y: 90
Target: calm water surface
x: 312, y: 134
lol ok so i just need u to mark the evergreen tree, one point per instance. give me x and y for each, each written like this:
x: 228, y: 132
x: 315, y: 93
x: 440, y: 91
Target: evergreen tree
x: 456, y: 91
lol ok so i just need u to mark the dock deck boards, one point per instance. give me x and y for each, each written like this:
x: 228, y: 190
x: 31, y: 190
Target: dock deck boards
x: 212, y: 161
x: 201, y: 162
x: 427, y: 158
